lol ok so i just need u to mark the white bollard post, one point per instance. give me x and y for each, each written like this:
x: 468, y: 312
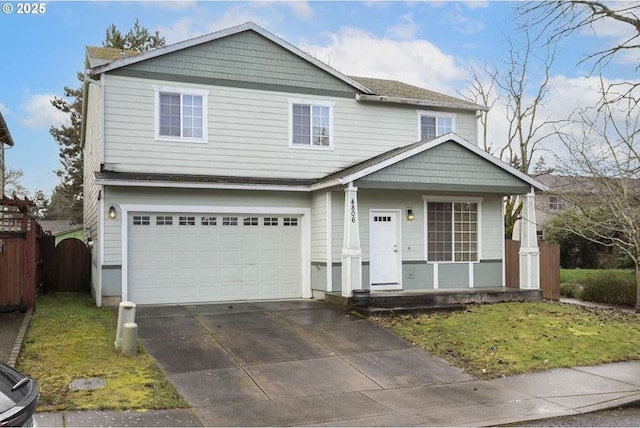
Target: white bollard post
x: 130, y: 339
x: 126, y: 313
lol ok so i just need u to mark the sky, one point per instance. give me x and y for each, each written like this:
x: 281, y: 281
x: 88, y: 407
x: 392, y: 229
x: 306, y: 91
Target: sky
x: 426, y: 43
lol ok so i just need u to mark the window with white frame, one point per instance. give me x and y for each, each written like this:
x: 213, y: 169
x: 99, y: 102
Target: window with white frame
x: 435, y: 124
x: 556, y: 203
x: 311, y: 123
x: 181, y: 113
x: 452, y: 231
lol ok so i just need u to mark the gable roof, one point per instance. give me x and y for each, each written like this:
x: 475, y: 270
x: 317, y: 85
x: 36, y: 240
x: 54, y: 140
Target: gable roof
x: 394, y: 156
x: 403, y: 93
x: 101, y: 59
x: 247, y: 26
x: 5, y: 135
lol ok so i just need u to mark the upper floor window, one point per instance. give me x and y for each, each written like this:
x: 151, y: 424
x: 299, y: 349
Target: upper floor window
x: 556, y: 203
x: 435, y: 124
x: 311, y: 123
x: 181, y: 114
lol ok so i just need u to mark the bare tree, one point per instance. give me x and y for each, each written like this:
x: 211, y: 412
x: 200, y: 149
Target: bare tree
x: 481, y: 89
x: 604, y: 166
x: 13, y: 183
x: 555, y: 20
x: 521, y: 86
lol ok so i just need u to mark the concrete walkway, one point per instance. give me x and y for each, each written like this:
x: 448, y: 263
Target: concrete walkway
x: 303, y: 363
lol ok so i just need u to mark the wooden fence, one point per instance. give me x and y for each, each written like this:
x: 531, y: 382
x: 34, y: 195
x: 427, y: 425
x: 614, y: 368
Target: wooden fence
x: 31, y: 262
x: 549, y: 267
x: 71, y: 267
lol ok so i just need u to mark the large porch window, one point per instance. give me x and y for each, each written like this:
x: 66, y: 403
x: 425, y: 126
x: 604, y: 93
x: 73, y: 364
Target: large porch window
x: 452, y: 231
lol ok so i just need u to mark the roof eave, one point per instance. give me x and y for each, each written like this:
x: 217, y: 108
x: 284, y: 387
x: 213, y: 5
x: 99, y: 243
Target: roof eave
x: 5, y: 135
x: 420, y: 103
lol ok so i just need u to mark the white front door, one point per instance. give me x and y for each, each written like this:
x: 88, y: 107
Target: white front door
x: 385, y: 250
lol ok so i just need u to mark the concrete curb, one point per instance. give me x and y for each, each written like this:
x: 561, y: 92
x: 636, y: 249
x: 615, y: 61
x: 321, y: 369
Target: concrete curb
x: 15, y: 351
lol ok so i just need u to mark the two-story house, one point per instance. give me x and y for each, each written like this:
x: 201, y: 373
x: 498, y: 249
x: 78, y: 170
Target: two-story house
x: 234, y: 166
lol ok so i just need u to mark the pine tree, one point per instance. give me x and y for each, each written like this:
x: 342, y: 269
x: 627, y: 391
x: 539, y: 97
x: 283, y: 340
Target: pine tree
x: 68, y: 136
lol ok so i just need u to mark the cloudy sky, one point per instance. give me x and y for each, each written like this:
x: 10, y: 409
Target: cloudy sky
x: 430, y: 44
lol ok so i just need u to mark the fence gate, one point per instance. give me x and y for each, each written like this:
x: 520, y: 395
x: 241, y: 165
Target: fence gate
x: 71, y: 267
x: 549, y: 267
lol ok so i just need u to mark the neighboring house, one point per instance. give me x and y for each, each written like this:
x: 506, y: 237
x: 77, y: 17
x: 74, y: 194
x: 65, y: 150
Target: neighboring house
x: 62, y: 229
x: 234, y: 166
x: 551, y: 202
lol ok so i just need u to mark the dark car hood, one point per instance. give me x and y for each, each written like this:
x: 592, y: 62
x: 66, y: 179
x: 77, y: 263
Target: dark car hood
x: 19, y: 397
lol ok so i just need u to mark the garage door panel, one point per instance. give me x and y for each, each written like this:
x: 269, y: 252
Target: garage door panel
x: 219, y: 257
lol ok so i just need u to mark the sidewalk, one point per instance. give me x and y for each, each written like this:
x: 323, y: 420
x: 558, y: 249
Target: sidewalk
x: 449, y: 401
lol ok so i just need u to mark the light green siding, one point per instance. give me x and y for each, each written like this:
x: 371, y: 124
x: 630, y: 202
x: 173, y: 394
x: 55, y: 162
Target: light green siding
x: 447, y: 167
x: 245, y: 57
x: 413, y: 231
x: 248, y: 133
x: 319, y: 227
x: 182, y: 198
x: 92, y: 159
x: 453, y: 275
x: 488, y: 273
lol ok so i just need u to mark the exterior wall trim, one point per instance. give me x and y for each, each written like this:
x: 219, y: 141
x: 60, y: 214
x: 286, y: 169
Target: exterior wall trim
x: 305, y: 224
x: 221, y: 186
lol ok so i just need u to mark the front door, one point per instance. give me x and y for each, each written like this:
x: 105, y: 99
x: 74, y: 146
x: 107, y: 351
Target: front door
x: 385, y: 250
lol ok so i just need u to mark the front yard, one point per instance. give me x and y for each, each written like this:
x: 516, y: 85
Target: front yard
x: 69, y: 338
x: 504, y: 339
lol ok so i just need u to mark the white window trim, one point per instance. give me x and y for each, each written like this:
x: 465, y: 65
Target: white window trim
x: 432, y: 198
x: 311, y: 102
x: 182, y: 90
x: 437, y: 114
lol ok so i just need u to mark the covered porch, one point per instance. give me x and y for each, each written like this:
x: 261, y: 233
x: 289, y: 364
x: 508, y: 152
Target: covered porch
x: 424, y: 226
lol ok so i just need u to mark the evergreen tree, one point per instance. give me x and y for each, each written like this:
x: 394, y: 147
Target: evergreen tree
x: 68, y: 136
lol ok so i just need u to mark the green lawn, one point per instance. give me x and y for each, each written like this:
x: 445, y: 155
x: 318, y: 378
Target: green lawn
x: 505, y: 339
x: 69, y: 338
x: 577, y: 276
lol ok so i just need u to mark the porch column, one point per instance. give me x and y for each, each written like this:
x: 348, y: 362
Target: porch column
x: 351, y: 251
x: 529, y: 252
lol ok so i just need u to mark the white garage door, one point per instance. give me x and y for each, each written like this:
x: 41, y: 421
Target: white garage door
x: 182, y: 258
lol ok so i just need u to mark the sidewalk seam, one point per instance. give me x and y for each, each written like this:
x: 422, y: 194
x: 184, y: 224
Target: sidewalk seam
x: 15, y: 351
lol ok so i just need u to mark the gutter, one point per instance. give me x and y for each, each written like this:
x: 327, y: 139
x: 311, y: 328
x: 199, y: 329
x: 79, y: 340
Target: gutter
x: 421, y: 103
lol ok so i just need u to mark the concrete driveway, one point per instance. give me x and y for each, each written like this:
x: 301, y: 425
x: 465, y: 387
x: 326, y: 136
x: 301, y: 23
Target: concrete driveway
x: 290, y: 363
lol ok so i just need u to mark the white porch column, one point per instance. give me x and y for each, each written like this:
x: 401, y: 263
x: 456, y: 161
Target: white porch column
x: 529, y: 252
x: 351, y: 251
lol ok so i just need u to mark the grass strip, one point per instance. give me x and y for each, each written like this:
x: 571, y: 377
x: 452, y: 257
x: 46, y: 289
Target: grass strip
x: 70, y: 338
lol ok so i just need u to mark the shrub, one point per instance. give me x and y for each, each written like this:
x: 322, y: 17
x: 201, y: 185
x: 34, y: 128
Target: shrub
x: 611, y: 288
x: 571, y: 290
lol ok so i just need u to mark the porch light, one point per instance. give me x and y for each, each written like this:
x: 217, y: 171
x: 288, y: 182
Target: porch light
x: 410, y: 215
x: 112, y: 211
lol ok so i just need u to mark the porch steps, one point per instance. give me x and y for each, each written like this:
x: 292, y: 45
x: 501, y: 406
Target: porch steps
x: 396, y: 302
x: 403, y: 310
